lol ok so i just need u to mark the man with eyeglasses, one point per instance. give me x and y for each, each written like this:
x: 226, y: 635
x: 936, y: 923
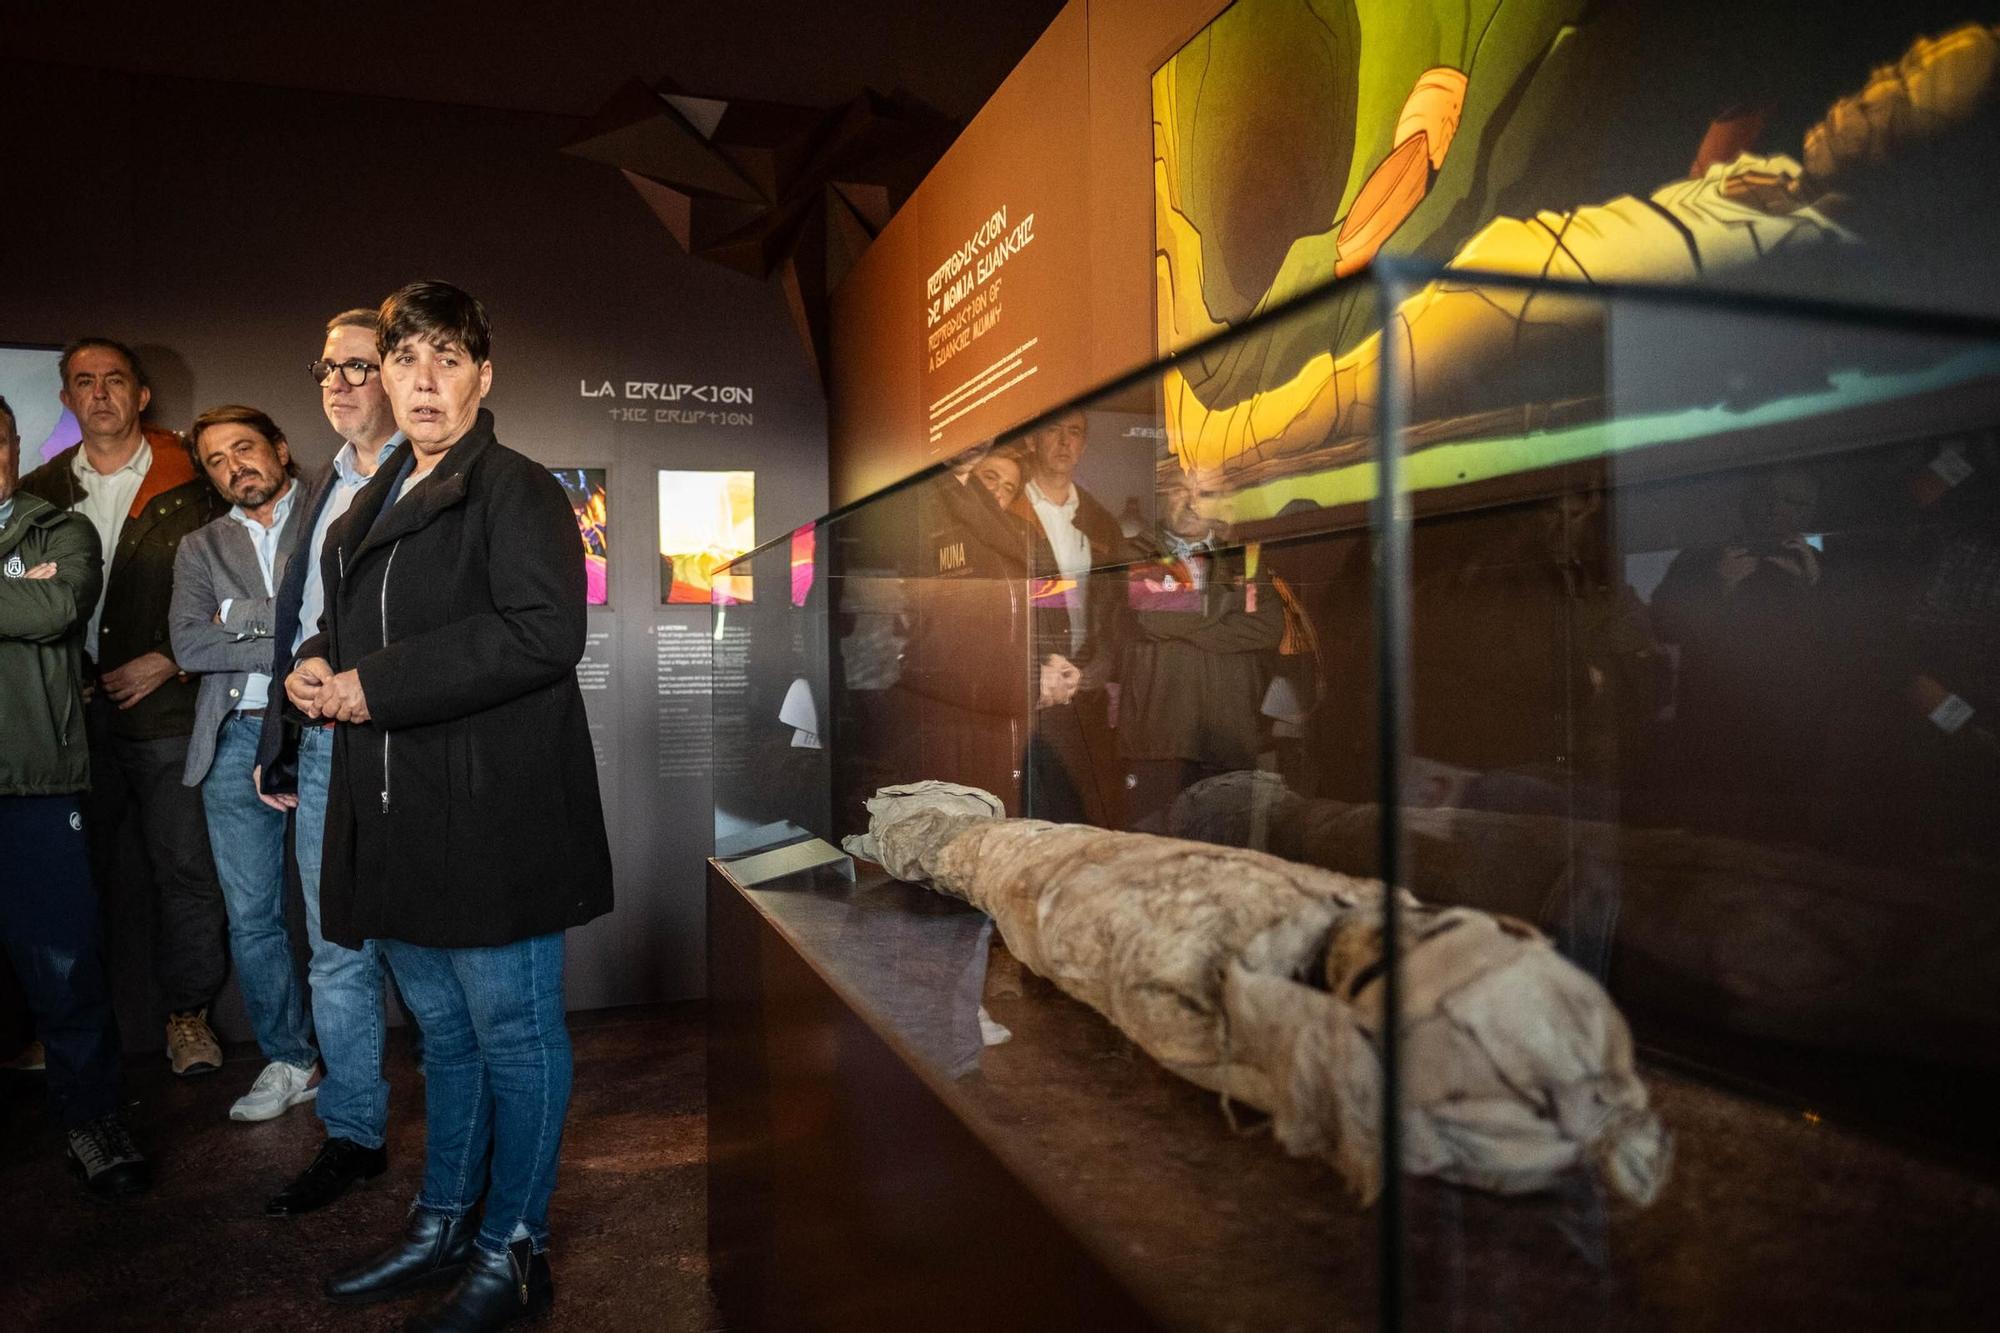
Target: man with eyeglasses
x: 140, y: 490
x: 294, y: 766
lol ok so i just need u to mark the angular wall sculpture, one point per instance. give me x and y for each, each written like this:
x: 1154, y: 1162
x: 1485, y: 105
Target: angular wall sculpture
x: 791, y: 194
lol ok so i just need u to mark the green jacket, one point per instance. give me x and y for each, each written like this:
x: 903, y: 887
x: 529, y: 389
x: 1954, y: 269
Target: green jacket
x: 44, y: 752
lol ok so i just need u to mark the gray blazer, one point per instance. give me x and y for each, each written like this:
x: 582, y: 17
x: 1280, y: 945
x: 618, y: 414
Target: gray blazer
x: 217, y: 563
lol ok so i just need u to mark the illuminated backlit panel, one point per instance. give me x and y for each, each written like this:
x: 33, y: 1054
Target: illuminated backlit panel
x: 30, y: 381
x: 707, y: 519
x: 590, y: 502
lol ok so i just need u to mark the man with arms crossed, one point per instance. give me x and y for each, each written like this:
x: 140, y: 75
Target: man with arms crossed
x: 294, y: 766
x: 49, y: 577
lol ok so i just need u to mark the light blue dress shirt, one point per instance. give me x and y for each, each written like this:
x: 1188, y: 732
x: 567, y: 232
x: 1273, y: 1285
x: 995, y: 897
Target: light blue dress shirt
x: 257, y: 689
x: 346, y: 484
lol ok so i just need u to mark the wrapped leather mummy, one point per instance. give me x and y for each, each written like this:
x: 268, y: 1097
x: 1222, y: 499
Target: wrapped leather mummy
x: 1259, y: 978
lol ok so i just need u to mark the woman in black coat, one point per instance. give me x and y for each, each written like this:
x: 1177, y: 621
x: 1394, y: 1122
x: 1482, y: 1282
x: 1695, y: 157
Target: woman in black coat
x: 463, y: 829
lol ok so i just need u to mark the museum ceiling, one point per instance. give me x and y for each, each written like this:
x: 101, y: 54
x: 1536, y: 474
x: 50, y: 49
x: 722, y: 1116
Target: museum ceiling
x: 556, y: 60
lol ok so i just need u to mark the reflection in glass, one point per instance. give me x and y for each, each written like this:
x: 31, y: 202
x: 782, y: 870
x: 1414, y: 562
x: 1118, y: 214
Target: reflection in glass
x: 1704, y: 624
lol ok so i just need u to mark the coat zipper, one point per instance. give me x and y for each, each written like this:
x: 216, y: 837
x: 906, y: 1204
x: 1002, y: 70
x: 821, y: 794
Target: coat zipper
x: 385, y: 643
x: 333, y: 636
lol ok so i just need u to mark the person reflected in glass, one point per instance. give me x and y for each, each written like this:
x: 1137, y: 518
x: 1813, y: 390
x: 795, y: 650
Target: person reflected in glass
x: 1747, y: 617
x: 1000, y: 472
x: 1535, y: 671
x: 965, y: 716
x: 1076, y: 548
x: 1197, y: 656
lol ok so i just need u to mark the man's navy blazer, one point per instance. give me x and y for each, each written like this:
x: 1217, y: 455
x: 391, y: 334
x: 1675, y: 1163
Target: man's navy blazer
x: 279, y: 760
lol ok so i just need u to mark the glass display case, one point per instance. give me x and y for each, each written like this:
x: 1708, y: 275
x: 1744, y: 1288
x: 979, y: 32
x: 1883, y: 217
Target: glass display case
x: 1649, y: 638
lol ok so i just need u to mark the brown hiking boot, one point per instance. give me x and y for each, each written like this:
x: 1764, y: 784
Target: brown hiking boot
x: 32, y: 1059
x: 191, y: 1044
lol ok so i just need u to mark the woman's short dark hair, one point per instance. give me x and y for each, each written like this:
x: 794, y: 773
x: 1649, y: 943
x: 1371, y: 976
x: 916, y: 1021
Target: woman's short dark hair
x: 437, y: 312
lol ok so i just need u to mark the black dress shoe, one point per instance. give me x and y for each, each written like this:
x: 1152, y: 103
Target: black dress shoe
x: 435, y: 1247
x: 340, y: 1163
x: 496, y: 1290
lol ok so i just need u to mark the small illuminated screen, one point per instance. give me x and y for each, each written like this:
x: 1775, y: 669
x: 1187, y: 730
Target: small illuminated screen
x: 707, y: 519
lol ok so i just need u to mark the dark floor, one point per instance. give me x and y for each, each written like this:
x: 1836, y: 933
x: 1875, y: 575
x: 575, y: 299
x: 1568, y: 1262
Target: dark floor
x: 197, y: 1252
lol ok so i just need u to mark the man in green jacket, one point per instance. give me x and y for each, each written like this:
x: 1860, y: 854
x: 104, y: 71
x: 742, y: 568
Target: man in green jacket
x: 50, y: 573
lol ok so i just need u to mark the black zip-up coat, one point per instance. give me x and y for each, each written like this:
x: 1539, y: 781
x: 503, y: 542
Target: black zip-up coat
x: 466, y: 812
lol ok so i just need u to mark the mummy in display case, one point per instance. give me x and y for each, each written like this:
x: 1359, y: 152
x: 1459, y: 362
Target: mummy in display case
x: 1260, y: 979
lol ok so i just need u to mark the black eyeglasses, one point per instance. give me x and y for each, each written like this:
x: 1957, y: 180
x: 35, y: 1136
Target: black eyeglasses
x: 355, y: 372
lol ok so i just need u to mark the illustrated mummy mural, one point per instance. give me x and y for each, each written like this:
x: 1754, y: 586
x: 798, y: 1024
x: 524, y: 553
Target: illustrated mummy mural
x: 1459, y: 110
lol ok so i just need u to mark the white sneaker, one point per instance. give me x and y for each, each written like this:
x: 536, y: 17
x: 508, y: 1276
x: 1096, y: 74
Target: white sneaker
x: 279, y: 1088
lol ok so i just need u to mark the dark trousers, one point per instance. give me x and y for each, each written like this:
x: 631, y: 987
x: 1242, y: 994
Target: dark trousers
x: 1073, y: 770
x: 168, y: 878
x: 17, y: 1021
x: 48, y: 922
x: 1153, y: 785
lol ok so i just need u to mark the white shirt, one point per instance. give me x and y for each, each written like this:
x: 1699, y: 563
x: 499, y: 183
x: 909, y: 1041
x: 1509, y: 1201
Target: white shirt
x: 346, y: 484
x: 257, y: 689
x: 106, y: 502
x: 1072, y: 552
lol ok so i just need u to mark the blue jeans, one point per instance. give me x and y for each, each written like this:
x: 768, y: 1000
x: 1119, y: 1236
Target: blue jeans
x: 249, y: 842
x: 497, y: 1075
x: 346, y: 983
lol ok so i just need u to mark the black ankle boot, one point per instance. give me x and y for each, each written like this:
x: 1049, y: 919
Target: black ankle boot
x: 497, y: 1289
x: 435, y: 1247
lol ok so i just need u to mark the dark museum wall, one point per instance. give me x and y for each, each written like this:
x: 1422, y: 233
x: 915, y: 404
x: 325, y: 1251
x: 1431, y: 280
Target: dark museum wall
x: 216, y: 226
x: 1185, y: 162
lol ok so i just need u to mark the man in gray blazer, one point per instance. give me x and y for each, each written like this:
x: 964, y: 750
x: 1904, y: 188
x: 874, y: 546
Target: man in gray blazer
x: 222, y: 621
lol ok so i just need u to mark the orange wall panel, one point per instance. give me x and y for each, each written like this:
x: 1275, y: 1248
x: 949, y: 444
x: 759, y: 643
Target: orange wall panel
x: 1004, y: 227
x: 874, y: 368
x: 1066, y: 141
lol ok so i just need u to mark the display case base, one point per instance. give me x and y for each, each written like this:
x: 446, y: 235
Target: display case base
x: 874, y: 1163
x: 843, y: 1191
